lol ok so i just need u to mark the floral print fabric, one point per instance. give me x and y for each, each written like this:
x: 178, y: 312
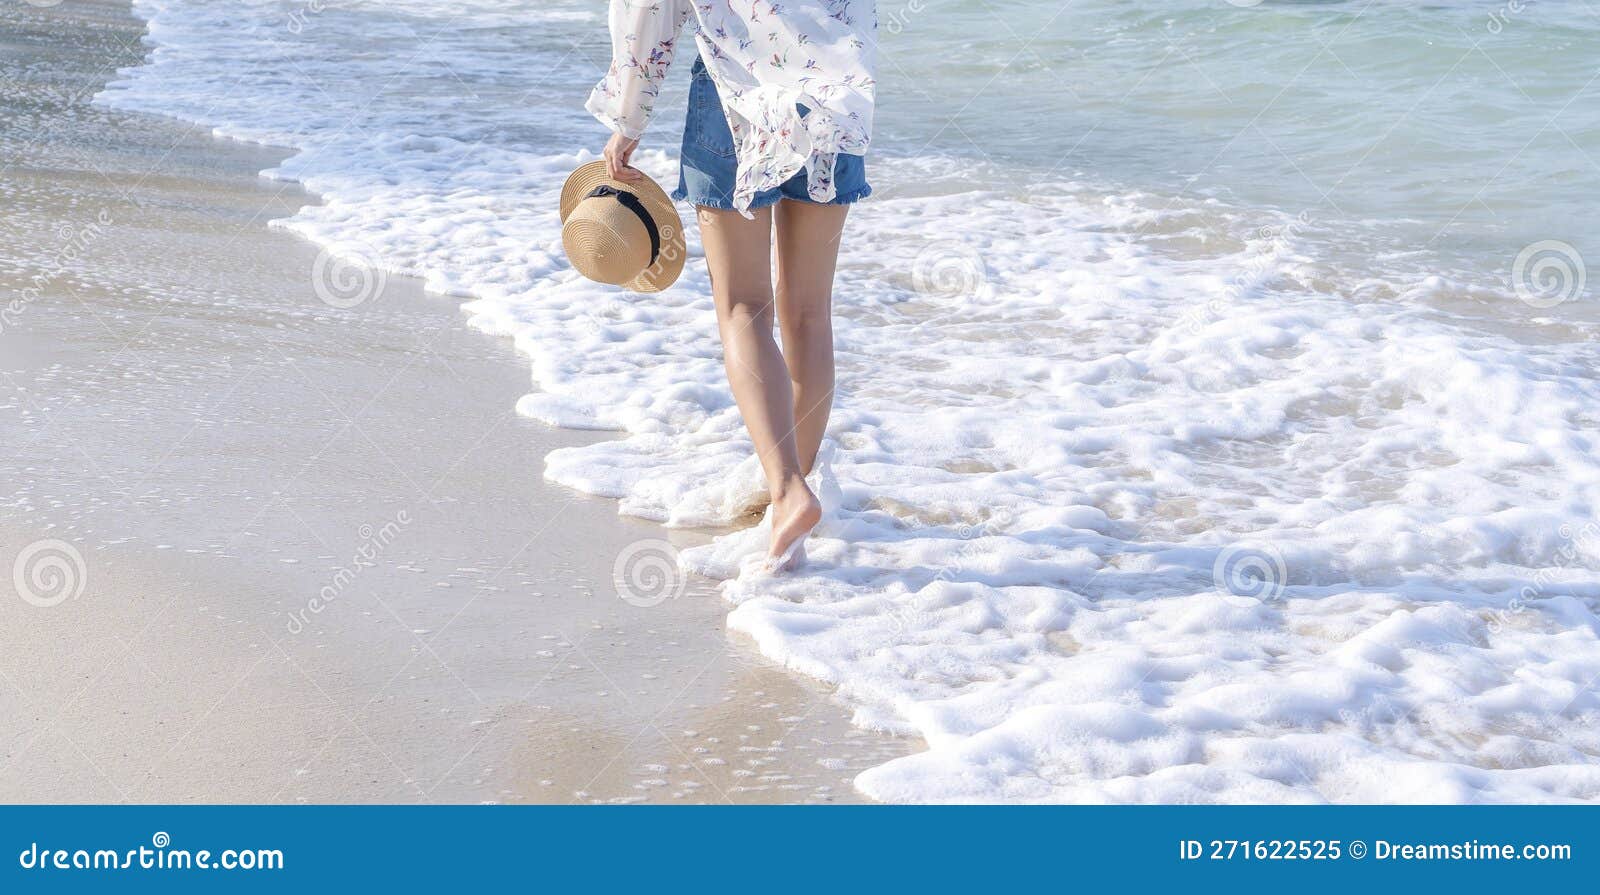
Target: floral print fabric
x: 769, y: 60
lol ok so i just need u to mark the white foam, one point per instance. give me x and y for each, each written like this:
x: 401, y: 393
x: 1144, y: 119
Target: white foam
x: 1060, y: 418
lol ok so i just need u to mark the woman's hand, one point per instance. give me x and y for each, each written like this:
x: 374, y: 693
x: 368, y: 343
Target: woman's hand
x: 619, y: 151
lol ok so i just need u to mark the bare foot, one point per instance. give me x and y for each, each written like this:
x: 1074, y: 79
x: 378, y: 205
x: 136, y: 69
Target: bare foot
x: 795, y: 512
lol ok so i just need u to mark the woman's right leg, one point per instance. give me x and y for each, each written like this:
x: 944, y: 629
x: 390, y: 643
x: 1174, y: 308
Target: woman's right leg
x: 808, y: 251
x: 739, y: 257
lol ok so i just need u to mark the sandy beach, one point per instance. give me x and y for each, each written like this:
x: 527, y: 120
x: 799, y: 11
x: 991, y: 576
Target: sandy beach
x: 308, y: 553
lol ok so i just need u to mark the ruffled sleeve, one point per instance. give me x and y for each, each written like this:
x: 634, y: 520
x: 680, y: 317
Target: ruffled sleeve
x: 644, y: 34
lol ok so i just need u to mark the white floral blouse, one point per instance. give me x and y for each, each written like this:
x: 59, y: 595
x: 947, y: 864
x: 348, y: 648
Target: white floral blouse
x: 766, y: 58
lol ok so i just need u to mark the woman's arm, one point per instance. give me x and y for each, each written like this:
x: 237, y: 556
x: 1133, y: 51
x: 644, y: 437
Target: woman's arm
x: 644, y: 35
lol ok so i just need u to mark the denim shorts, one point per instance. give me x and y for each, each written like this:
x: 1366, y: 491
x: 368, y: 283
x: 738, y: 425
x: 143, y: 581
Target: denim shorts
x: 707, y: 168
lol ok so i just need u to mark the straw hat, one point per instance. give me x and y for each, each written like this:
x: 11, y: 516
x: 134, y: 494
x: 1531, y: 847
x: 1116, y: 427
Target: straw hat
x: 607, y: 225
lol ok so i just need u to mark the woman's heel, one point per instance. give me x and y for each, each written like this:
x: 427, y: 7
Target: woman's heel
x: 793, y: 557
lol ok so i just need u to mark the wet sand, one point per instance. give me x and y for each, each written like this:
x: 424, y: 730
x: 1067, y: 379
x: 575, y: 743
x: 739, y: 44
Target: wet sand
x: 307, y: 551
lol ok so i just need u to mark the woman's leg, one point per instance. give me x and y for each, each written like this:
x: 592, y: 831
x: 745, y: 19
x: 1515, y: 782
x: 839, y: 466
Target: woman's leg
x: 739, y: 256
x: 808, y: 247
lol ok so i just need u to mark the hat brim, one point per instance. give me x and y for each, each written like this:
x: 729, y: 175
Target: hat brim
x: 674, y: 252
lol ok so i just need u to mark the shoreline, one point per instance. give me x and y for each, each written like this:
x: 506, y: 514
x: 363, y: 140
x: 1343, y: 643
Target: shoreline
x: 243, y: 451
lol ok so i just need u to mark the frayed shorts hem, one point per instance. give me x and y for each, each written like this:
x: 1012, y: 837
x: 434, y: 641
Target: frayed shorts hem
x: 764, y: 201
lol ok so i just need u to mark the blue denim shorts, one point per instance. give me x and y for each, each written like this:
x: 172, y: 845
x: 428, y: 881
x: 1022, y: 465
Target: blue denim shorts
x: 707, y: 168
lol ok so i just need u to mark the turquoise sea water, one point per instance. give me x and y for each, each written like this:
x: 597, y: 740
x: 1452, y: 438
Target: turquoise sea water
x: 1459, y: 127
